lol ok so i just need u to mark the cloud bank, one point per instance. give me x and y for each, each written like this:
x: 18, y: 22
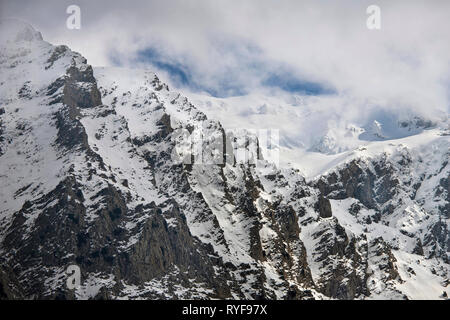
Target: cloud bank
x: 226, y: 48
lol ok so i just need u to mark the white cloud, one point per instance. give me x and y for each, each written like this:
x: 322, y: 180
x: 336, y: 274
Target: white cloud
x: 403, y: 66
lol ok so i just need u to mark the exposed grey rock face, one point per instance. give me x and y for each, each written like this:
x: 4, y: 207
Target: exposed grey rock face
x: 324, y: 207
x: 89, y: 178
x: 381, y: 186
x: 9, y: 286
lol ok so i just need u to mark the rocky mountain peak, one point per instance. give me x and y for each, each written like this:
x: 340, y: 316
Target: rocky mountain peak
x: 89, y: 179
x: 15, y: 30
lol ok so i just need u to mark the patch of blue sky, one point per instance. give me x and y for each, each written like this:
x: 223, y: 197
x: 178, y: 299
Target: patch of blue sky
x: 288, y: 82
x: 249, y: 70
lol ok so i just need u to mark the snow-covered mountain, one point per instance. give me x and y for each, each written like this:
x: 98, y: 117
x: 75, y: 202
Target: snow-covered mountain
x: 317, y: 129
x: 89, y: 177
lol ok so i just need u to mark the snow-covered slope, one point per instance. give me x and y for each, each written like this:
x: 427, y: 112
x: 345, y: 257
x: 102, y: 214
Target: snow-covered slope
x: 316, y: 131
x: 91, y: 175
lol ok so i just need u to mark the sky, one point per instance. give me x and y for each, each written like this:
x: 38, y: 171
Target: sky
x: 232, y: 48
